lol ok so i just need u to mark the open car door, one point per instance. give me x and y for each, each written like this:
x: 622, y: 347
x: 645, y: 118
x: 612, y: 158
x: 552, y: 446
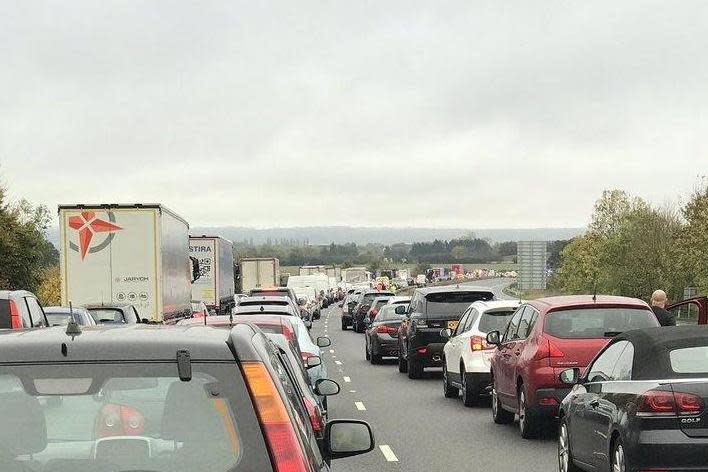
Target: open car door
x: 693, y: 311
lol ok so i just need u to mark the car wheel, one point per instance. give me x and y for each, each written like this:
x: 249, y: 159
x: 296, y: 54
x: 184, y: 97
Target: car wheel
x: 415, y: 369
x: 528, y: 422
x: 565, y: 457
x: 402, y: 364
x: 366, y: 348
x: 469, y: 392
x: 499, y: 414
x: 344, y: 325
x: 619, y: 459
x: 450, y: 391
x: 375, y: 358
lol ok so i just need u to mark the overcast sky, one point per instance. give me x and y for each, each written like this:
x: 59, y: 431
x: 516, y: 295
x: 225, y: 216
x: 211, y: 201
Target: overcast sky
x: 475, y: 114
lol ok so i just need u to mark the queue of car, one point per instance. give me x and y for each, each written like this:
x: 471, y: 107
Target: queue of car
x: 623, y: 393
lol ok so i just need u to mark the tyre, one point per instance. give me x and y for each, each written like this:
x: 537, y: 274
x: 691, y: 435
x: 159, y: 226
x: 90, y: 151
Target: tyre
x: 402, y: 364
x: 565, y: 456
x: 528, y: 420
x: 366, y: 349
x: 470, y: 395
x: 375, y: 358
x: 619, y: 459
x: 449, y: 390
x: 344, y: 325
x: 499, y: 414
x: 415, y: 369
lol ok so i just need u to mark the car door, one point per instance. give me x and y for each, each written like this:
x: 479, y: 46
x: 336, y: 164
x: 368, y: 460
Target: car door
x: 690, y: 312
x: 464, y: 337
x: 453, y: 347
x: 517, y: 359
x: 503, y: 375
x: 587, y: 419
x: 415, y: 308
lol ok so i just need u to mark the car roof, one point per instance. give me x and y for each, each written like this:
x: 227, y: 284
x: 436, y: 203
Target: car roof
x: 220, y: 320
x: 94, y: 306
x: 63, y: 309
x: 21, y: 293
x: 569, y: 301
x: 653, y: 345
x: 122, y: 343
x: 264, y: 299
x: 452, y: 288
x: 286, y: 309
x: 495, y: 304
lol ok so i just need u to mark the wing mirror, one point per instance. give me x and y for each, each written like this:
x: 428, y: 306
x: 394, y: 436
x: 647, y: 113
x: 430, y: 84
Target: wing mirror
x: 313, y: 361
x: 446, y: 333
x: 346, y: 438
x: 401, y: 310
x: 323, y: 341
x: 493, y: 338
x: 326, y: 387
x: 570, y: 376
x: 308, y: 324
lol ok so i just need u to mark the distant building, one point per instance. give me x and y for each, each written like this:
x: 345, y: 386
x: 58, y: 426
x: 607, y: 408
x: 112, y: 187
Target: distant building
x: 531, y: 258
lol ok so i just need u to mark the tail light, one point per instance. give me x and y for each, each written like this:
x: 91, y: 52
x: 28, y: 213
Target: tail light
x: 288, y: 333
x: 119, y: 420
x: 384, y: 329
x: 478, y: 343
x: 198, y: 314
x: 15, y: 322
x: 546, y: 349
x: 663, y: 403
x: 315, y: 418
x: 283, y: 446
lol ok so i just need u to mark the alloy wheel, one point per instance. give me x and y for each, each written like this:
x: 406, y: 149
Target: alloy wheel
x: 522, y: 409
x: 618, y: 459
x: 563, y: 449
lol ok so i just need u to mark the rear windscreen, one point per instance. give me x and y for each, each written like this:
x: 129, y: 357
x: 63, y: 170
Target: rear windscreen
x: 107, y: 315
x: 369, y: 297
x: 58, y: 319
x: 5, y: 322
x: 495, y: 321
x: 597, y: 322
x: 265, y: 302
x: 690, y: 360
x: 454, y: 302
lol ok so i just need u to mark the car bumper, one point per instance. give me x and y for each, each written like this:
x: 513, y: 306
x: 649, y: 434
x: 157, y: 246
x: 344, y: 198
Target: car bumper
x: 547, y: 400
x: 668, y: 450
x: 429, y: 354
x: 385, y: 347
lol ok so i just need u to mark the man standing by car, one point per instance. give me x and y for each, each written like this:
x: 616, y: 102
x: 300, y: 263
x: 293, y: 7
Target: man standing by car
x: 658, y: 304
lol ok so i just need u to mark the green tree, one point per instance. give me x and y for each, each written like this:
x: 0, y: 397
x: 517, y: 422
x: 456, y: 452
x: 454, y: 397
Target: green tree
x: 692, y: 244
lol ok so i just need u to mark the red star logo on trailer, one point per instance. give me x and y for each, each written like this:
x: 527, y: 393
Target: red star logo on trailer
x: 87, y: 225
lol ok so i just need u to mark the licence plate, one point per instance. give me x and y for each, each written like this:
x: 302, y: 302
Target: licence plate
x: 452, y: 324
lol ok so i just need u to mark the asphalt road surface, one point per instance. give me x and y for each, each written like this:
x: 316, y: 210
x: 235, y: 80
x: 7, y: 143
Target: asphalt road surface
x: 417, y: 429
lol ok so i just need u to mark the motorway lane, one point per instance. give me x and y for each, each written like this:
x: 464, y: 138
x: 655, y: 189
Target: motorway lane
x: 423, y: 430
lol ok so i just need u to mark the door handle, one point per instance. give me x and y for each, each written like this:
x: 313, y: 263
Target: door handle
x: 518, y: 353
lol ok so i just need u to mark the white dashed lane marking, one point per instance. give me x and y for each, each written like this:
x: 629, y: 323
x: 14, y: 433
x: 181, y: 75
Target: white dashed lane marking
x: 347, y: 379
x: 338, y: 362
x: 331, y: 351
x: 388, y: 453
x: 360, y: 406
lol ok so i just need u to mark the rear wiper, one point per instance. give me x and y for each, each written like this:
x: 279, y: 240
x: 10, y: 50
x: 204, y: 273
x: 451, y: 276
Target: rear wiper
x: 612, y: 334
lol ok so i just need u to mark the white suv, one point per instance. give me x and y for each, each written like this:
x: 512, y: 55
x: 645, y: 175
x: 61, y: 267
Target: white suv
x: 466, y: 354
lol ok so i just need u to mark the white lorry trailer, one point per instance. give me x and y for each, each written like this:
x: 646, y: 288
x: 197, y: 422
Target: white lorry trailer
x: 135, y: 254
x: 215, y: 286
x: 259, y: 272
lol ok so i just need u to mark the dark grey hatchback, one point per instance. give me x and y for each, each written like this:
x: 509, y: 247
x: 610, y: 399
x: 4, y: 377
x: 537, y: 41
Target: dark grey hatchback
x: 157, y: 399
x: 640, y: 406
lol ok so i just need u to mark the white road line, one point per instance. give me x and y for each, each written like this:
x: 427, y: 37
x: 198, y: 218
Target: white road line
x: 331, y: 351
x: 347, y: 379
x: 360, y: 406
x: 338, y: 362
x: 352, y: 391
x: 333, y: 356
x: 388, y: 453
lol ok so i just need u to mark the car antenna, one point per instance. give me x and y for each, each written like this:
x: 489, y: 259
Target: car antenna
x: 72, y: 328
x: 231, y: 318
x: 594, y: 291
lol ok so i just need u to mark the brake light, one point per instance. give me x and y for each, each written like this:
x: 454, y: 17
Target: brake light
x: 384, y: 329
x: 15, y: 322
x: 315, y: 419
x: 288, y: 333
x: 283, y: 445
x: 478, y: 343
x: 119, y: 420
x: 547, y: 349
x: 422, y: 350
x: 662, y: 403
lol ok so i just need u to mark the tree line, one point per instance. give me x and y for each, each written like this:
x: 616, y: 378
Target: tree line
x: 633, y: 248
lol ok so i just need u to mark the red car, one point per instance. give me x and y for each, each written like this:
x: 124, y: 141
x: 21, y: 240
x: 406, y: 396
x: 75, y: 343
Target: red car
x: 691, y: 311
x: 545, y: 337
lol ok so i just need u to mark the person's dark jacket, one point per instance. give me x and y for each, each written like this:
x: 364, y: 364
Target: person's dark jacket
x: 664, y: 316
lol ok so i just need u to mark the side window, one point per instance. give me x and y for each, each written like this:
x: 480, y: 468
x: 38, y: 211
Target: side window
x: 461, y: 325
x: 525, y: 323
x: 291, y: 395
x: 474, y: 314
x: 623, y: 368
x: 513, y: 325
x: 601, y: 369
x: 33, y: 315
x: 686, y: 313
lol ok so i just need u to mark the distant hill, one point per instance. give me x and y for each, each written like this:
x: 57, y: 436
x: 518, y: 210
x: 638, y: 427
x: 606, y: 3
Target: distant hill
x: 364, y: 235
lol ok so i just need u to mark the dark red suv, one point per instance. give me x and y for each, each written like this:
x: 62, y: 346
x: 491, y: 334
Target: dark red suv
x: 545, y: 337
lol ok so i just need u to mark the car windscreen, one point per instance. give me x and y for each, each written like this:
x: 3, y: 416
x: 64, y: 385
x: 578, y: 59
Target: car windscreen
x: 264, y: 302
x: 495, y: 320
x: 443, y: 303
x: 107, y: 315
x: 689, y: 360
x: 124, y: 417
x: 600, y: 322
x: 60, y: 319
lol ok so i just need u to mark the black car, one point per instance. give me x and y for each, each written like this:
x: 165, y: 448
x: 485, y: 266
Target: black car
x: 430, y: 311
x: 348, y: 305
x: 159, y: 399
x: 641, y: 405
x: 362, y: 307
x: 381, y: 336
